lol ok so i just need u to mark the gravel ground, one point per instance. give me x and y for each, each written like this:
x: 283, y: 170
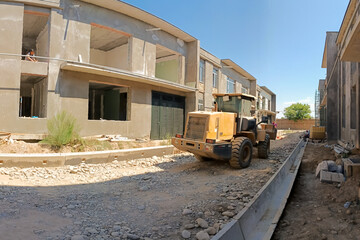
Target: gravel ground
x: 170, y: 197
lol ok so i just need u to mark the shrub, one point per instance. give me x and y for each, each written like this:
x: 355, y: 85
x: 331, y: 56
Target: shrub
x: 62, y: 130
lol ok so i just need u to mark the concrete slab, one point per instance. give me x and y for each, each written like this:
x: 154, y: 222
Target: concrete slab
x: 323, y: 166
x: 61, y: 159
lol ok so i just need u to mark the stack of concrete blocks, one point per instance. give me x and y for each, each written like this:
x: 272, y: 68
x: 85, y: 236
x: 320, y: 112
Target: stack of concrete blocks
x: 328, y: 171
x: 351, y: 167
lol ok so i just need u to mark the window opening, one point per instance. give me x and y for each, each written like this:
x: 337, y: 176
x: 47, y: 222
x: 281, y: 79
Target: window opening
x: 35, y: 41
x: 33, y: 96
x: 215, y: 77
x: 107, y: 102
x: 230, y: 87
x: 109, y: 47
x: 202, y: 71
x: 167, y: 64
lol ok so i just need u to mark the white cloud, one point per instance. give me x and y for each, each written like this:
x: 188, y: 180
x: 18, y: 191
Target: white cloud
x: 307, y: 100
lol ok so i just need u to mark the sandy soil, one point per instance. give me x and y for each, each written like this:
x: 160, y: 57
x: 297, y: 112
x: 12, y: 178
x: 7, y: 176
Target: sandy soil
x: 316, y: 210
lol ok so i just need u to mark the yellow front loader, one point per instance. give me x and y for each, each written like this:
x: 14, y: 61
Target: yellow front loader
x: 228, y: 133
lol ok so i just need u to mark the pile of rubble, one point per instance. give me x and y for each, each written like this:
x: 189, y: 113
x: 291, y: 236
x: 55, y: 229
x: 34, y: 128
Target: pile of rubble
x: 337, y: 172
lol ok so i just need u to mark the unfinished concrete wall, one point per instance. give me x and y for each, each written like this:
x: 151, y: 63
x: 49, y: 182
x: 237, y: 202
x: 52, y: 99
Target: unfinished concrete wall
x: 11, y: 28
x: 98, y: 57
x: 192, y: 64
x: 253, y: 87
x: 142, y: 57
x: 332, y: 79
x: 68, y: 37
x: 42, y: 43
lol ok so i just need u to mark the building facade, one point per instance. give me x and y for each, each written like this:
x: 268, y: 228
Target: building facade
x: 265, y: 103
x: 341, y: 100
x: 116, y: 68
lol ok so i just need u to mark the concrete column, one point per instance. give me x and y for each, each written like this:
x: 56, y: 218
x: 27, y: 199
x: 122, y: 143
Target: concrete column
x: 142, y: 57
x: 192, y: 63
x: 11, y: 31
x: 252, y: 90
x: 181, y: 69
x: 333, y: 114
x: 222, y: 82
x: 238, y: 87
x: 273, y: 103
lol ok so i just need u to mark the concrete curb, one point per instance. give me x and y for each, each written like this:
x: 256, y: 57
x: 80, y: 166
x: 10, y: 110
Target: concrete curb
x: 259, y: 218
x: 61, y: 159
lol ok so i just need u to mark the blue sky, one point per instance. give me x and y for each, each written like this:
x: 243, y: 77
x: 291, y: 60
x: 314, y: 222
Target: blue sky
x: 280, y: 42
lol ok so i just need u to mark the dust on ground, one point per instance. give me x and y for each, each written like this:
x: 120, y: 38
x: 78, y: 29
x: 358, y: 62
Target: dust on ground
x: 316, y: 210
x: 153, y: 198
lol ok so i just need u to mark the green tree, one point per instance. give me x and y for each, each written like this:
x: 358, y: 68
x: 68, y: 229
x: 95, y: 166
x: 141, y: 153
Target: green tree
x: 297, y: 111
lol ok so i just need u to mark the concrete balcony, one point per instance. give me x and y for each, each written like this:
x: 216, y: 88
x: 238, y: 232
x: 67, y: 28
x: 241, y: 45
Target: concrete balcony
x: 34, y: 68
x: 349, y: 34
x: 40, y: 3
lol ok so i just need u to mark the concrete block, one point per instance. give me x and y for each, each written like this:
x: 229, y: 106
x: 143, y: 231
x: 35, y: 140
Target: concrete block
x: 321, y: 167
x: 331, y: 177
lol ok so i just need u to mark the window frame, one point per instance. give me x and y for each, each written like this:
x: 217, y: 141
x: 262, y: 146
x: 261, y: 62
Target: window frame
x: 215, y: 76
x: 230, y: 80
x: 202, y: 71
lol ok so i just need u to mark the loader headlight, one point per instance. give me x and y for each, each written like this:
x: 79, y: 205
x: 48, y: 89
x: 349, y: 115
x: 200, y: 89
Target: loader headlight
x: 208, y: 147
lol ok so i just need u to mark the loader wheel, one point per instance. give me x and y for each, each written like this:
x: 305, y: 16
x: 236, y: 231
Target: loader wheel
x: 264, y: 147
x: 241, y: 152
x: 202, y: 159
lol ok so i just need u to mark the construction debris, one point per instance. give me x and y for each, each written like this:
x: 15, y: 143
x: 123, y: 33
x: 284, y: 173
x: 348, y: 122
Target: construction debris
x: 328, y: 171
x: 113, y: 138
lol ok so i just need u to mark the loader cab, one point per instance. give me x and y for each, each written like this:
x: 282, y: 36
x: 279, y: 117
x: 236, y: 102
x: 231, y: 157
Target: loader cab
x: 239, y: 103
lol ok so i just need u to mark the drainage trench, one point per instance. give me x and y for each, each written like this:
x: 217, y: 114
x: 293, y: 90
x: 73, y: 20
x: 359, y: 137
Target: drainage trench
x: 259, y: 219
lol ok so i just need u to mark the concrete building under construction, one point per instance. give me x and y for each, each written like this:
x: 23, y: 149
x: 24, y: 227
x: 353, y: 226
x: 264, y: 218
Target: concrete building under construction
x: 340, y: 103
x: 116, y: 68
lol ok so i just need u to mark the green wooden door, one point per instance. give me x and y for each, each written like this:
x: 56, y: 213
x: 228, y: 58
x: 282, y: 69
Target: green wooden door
x: 167, y: 116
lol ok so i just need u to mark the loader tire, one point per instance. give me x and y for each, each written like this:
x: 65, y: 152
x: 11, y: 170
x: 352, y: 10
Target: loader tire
x: 264, y: 147
x: 202, y: 159
x: 241, y: 152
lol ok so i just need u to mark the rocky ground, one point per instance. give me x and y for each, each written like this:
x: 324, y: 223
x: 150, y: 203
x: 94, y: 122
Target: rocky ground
x: 170, y: 197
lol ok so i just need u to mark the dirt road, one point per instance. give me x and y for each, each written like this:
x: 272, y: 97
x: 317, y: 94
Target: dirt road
x: 316, y: 210
x: 172, y: 197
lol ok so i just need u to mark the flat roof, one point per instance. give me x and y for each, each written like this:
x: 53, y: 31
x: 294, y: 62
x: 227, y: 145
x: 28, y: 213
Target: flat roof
x: 238, y: 69
x: 137, y: 13
x: 346, y: 20
x: 267, y: 90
